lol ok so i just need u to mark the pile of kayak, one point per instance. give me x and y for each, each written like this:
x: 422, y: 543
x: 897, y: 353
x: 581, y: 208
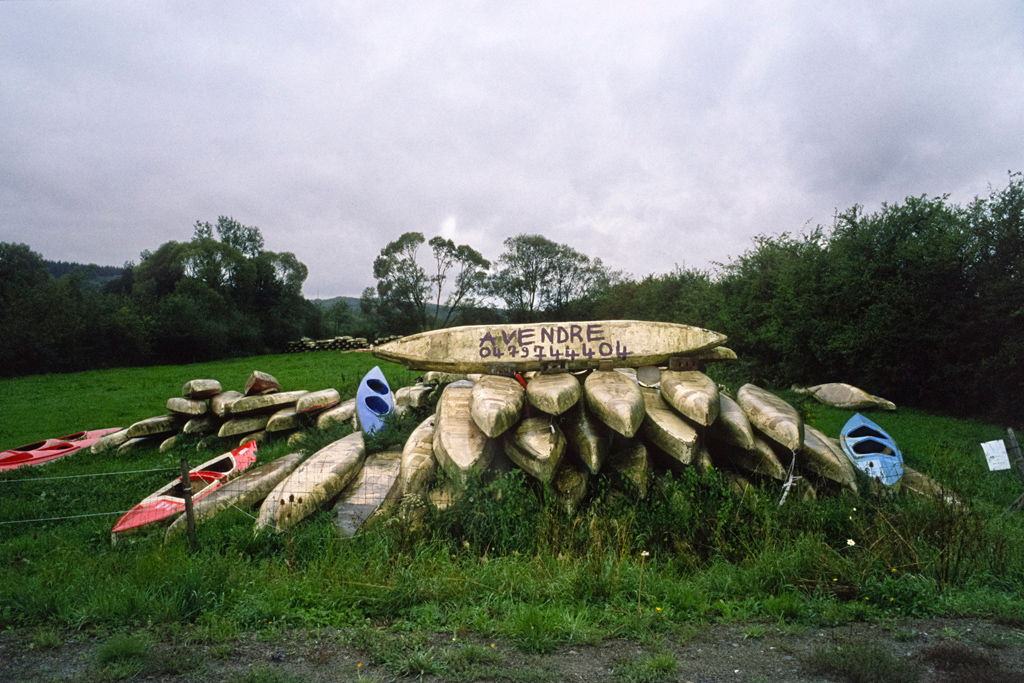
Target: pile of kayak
x: 637, y: 411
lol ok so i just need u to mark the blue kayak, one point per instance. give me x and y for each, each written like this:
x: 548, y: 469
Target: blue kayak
x: 871, y: 450
x: 374, y: 400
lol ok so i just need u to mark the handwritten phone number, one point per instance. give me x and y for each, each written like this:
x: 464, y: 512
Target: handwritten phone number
x: 542, y: 352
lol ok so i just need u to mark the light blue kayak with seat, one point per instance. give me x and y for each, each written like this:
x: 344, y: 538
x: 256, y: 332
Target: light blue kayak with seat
x: 872, y: 450
x: 374, y: 400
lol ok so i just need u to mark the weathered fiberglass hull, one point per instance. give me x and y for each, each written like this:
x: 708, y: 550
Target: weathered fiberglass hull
x: 572, y: 345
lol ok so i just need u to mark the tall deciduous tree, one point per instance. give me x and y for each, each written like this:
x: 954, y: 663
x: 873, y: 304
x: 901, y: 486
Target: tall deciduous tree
x: 537, y: 276
x: 470, y: 279
x: 401, y: 285
x: 523, y: 272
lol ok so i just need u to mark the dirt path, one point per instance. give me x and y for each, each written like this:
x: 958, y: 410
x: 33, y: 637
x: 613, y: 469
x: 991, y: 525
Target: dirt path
x: 946, y: 650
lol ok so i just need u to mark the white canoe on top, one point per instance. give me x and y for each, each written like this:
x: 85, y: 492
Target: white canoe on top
x: 531, y: 346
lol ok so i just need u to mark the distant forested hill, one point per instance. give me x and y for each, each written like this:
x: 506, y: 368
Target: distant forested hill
x: 352, y: 301
x: 93, y: 276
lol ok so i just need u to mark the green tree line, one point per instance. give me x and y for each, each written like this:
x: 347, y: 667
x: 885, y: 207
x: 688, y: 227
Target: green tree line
x: 921, y: 302
x: 219, y: 294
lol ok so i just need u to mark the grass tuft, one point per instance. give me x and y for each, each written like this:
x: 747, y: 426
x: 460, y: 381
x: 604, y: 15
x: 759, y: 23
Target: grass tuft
x: 261, y: 673
x: 122, y: 647
x: 963, y: 664
x: 859, y: 662
x: 647, y: 669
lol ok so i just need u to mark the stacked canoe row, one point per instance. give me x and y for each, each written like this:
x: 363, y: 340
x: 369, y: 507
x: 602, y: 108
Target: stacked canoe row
x: 258, y: 413
x: 337, y: 344
x: 564, y: 428
x: 341, y: 474
x: 559, y: 430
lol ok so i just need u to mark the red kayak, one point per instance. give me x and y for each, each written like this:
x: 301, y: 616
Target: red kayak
x: 42, y: 452
x: 169, y: 501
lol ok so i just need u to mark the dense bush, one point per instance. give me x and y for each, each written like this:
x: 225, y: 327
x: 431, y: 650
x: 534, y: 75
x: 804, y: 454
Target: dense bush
x: 922, y: 302
x: 184, y: 302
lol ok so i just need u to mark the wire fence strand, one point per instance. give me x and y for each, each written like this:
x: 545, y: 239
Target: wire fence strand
x: 77, y: 476
x: 54, y: 519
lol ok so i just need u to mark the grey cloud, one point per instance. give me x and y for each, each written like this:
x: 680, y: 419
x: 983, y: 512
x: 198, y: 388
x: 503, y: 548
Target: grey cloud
x: 648, y: 138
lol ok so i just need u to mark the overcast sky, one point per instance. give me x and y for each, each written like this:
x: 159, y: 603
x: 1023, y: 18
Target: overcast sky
x: 646, y: 134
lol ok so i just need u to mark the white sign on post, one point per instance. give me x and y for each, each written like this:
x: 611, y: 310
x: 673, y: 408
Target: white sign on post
x: 995, y: 453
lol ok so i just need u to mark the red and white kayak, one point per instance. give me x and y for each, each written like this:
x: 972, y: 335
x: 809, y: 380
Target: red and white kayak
x: 169, y: 501
x: 48, y: 450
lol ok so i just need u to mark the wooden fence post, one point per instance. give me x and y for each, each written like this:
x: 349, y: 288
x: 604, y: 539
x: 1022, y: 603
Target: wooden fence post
x: 1011, y: 441
x: 186, y: 490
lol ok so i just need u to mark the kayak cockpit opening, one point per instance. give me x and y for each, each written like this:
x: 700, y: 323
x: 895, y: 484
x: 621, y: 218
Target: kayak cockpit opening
x: 864, y: 430
x: 222, y: 465
x: 871, y: 447
x: 30, y: 447
x: 378, y: 386
x: 378, y: 405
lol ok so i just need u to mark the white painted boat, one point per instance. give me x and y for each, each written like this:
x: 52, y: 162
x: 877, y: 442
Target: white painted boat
x: 187, y: 406
x: 242, y: 493
x: 221, y: 403
x: 667, y: 430
x: 199, y: 389
x: 313, y: 484
x: 845, y: 396
x: 583, y: 432
x: 693, y: 394
x: 495, y: 404
x: 775, y: 418
x: 318, y: 400
x: 459, y: 445
x: 822, y: 458
x: 570, y: 485
x: 532, y: 346
x: 156, y: 426
x: 615, y: 400
x: 732, y: 426
x: 418, y: 468
x: 537, y: 446
x: 343, y: 412
x: 264, y: 403
x: 373, y: 489
x: 286, y: 419
x: 761, y: 460
x: 553, y: 393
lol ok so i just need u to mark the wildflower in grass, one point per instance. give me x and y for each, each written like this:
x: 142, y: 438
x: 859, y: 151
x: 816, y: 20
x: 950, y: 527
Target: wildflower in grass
x: 658, y: 608
x: 492, y: 644
x: 643, y: 556
x: 850, y: 541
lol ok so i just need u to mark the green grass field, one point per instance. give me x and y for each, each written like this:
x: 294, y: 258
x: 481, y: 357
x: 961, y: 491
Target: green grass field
x: 503, y: 561
x: 43, y: 406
